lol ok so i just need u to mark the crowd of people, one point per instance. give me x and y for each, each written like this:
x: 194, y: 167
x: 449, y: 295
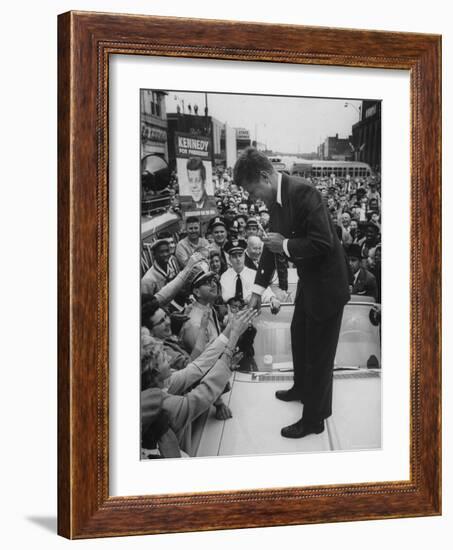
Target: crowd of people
x: 196, y: 327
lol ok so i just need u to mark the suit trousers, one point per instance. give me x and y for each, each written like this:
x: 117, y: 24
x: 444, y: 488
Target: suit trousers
x: 314, y: 345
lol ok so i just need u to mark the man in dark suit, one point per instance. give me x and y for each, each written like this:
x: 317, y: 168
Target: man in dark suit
x: 363, y: 281
x: 252, y: 258
x: 301, y: 228
x: 253, y: 252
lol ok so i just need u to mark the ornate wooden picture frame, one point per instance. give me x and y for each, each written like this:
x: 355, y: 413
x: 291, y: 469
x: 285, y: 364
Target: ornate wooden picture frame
x: 86, y: 40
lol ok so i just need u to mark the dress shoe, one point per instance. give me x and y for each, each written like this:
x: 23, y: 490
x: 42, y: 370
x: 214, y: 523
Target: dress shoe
x: 288, y: 395
x: 302, y: 428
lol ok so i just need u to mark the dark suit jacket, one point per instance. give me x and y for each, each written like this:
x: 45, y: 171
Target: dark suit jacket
x: 282, y: 269
x: 248, y: 262
x: 365, y: 284
x: 313, y: 246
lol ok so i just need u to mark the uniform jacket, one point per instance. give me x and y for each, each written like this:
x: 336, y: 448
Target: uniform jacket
x: 196, y: 311
x: 156, y: 278
x: 313, y: 247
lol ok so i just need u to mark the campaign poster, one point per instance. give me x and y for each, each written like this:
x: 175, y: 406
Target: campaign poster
x: 194, y: 169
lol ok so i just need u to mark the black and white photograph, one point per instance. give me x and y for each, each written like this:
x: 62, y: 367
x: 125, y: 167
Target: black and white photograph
x: 260, y: 265
x: 203, y: 194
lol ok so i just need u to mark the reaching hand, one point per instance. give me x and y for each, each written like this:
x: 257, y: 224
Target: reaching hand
x: 195, y: 259
x: 275, y: 306
x: 242, y: 320
x: 236, y: 359
x: 255, y: 302
x: 223, y: 412
x: 274, y: 241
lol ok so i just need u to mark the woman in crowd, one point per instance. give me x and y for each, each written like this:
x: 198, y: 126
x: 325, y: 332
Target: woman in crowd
x: 211, y: 372
x: 215, y: 262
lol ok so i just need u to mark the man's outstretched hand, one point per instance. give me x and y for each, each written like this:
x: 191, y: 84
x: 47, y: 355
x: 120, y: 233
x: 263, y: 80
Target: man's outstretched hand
x: 223, y: 412
x: 275, y: 306
x: 255, y: 302
x: 274, y: 241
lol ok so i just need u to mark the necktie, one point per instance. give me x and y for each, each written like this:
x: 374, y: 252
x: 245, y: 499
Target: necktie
x: 223, y: 257
x: 216, y: 320
x: 238, y: 294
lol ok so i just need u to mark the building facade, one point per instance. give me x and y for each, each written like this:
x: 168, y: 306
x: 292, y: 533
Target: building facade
x: 335, y: 148
x: 366, y: 135
x: 153, y: 121
x: 197, y: 125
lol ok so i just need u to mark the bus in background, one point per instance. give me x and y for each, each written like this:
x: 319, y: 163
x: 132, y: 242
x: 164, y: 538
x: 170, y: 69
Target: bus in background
x: 325, y: 168
x: 278, y: 164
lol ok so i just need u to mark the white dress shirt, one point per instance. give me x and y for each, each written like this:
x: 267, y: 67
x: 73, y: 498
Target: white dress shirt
x: 257, y: 289
x: 247, y: 275
x: 279, y: 201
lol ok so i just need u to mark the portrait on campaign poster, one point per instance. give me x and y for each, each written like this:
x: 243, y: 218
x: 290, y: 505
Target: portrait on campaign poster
x: 260, y: 274
x: 195, y: 184
x: 194, y: 171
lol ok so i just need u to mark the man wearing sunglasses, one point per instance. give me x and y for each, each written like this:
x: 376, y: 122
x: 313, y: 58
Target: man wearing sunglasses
x: 205, y: 291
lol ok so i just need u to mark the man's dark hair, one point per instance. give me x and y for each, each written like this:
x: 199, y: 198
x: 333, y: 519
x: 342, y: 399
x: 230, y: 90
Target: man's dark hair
x: 177, y: 320
x: 195, y: 163
x: 249, y: 166
x: 192, y: 219
x: 150, y: 305
x: 240, y: 302
x: 161, y: 241
x: 164, y: 235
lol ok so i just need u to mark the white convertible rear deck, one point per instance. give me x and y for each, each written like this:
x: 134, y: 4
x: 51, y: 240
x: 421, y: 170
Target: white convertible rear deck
x: 258, y: 416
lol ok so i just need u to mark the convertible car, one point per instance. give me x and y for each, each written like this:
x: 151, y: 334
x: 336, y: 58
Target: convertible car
x: 258, y: 416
